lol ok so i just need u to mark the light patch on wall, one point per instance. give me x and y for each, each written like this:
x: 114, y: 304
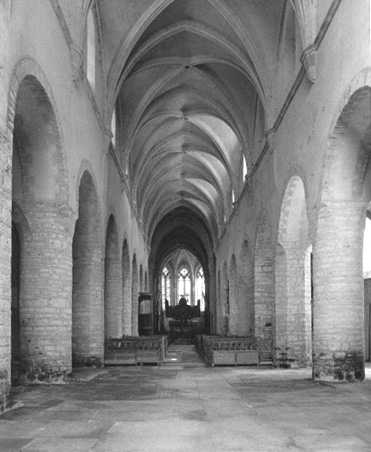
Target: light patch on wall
x: 367, y: 250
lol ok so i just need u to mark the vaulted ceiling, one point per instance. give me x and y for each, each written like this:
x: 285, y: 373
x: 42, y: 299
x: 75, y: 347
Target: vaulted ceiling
x: 192, y: 82
x: 191, y: 92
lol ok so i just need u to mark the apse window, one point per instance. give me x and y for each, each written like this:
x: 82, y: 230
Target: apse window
x: 184, y: 283
x: 90, y: 47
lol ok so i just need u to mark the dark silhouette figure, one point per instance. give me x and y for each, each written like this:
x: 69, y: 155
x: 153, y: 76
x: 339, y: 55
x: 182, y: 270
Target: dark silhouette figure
x: 182, y: 312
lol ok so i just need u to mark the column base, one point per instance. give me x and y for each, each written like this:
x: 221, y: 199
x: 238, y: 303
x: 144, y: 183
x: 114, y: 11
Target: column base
x: 39, y: 373
x: 87, y: 361
x: 4, y: 390
x: 346, y: 367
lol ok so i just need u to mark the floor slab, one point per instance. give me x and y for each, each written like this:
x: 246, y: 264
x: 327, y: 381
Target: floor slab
x: 130, y: 409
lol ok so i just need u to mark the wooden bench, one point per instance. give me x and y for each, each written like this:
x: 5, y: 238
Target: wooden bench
x: 228, y: 351
x: 135, y: 350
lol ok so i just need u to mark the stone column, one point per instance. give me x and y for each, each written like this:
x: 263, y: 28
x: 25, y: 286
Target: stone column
x: 5, y: 204
x: 46, y: 293
x: 338, y: 308
x: 264, y: 293
x: 5, y: 268
x: 193, y: 290
x: 173, y: 289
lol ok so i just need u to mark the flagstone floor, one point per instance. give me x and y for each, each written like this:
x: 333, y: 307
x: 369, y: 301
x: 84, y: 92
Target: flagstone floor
x: 189, y: 408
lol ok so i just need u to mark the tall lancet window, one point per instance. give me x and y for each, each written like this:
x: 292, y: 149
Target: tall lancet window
x: 244, y: 168
x: 184, y: 284
x: 90, y: 47
x: 113, y: 128
x: 165, y: 286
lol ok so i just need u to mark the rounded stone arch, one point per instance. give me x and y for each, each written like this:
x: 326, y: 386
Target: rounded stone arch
x: 338, y: 243
x: 85, y: 167
x: 126, y: 288
x: 40, y: 194
x: 293, y: 322
x: 88, y: 276
x: 264, y: 290
x: 28, y: 69
x: 134, y: 295
x: 112, y: 283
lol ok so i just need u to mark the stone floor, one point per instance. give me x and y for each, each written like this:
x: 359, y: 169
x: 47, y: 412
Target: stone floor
x: 187, y: 408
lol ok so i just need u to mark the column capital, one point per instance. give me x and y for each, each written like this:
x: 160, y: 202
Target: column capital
x: 309, y: 61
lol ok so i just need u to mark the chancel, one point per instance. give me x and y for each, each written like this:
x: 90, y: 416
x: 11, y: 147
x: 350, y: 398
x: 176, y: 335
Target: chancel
x: 185, y: 211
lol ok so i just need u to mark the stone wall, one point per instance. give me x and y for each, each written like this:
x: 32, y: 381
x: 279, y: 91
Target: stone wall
x: 298, y: 145
x: 47, y: 264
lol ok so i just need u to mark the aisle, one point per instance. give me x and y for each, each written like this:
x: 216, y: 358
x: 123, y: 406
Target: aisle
x: 183, y: 355
x: 189, y: 409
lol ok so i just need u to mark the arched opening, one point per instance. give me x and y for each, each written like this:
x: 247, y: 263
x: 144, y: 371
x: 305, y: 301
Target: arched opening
x: 134, y: 296
x: 112, y: 285
x: 184, y: 283
x: 126, y: 289
x: 87, y: 293
x: 113, y: 128
x: 244, y: 169
x: 337, y: 252
x: 182, y: 244
x: 91, y: 47
x: 41, y: 240
x: 289, y: 49
x: 293, y: 304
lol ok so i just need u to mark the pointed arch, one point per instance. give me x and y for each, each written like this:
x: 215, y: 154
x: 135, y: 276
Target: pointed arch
x: 87, y: 289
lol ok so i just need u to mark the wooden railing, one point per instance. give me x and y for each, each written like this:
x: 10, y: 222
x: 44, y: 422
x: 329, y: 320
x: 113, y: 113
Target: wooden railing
x: 136, y: 350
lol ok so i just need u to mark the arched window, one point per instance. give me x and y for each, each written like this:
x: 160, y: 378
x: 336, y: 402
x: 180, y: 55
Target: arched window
x: 90, y: 47
x: 244, y: 168
x: 184, y: 283
x: 165, y: 286
x: 200, y: 288
x: 113, y: 127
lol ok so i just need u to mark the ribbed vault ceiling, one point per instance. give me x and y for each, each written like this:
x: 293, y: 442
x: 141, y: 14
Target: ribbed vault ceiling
x: 191, y: 95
